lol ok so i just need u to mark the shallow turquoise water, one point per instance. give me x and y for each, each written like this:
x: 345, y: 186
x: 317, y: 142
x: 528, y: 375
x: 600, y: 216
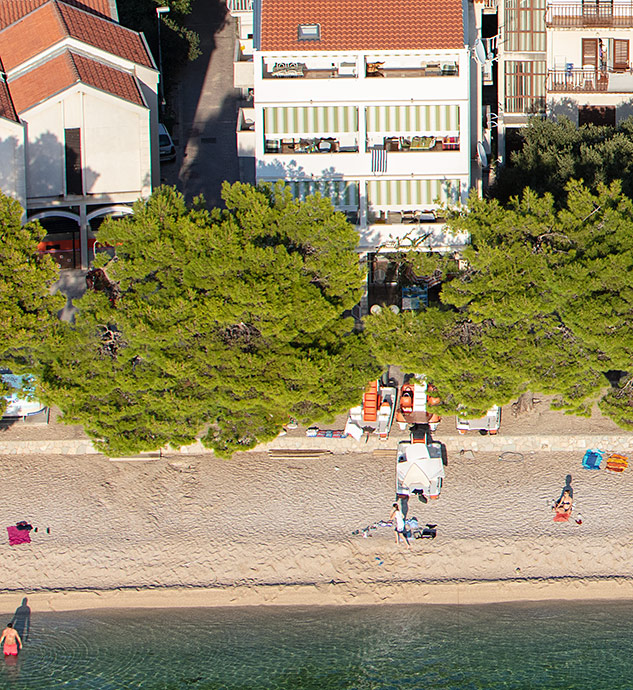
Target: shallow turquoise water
x: 512, y: 646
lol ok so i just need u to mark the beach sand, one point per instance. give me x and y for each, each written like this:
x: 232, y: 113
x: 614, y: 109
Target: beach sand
x: 199, y: 531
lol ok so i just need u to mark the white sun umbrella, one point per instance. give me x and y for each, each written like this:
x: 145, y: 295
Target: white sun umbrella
x: 415, y: 478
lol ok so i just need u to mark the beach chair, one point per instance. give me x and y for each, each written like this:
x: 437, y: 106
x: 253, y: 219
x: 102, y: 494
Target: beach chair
x: 617, y: 463
x: 592, y: 459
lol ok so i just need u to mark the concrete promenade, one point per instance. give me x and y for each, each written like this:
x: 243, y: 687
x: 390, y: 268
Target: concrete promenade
x: 576, y: 443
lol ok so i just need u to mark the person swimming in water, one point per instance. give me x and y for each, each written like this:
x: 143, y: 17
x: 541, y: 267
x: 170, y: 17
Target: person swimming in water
x: 11, y: 640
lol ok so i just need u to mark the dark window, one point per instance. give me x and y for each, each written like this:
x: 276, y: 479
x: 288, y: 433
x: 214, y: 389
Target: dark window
x: 620, y: 55
x: 73, y: 161
x: 596, y: 115
x: 589, y: 53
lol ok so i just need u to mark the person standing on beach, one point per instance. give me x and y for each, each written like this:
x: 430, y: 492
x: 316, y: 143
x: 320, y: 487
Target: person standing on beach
x: 397, y: 519
x: 11, y: 640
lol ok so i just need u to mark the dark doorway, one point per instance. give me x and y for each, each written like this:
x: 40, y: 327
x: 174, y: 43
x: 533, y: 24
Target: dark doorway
x: 596, y: 115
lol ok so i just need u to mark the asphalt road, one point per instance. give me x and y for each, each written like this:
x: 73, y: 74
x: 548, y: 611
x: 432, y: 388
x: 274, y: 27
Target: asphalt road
x: 204, y: 103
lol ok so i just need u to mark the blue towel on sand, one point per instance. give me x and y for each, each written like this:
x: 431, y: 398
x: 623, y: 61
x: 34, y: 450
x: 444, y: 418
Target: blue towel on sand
x: 592, y: 459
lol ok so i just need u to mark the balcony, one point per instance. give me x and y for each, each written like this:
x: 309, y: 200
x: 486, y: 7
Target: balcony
x: 589, y: 81
x: 310, y: 145
x: 417, y: 144
x: 569, y: 15
x: 246, y: 132
x: 239, y: 6
x: 319, y: 69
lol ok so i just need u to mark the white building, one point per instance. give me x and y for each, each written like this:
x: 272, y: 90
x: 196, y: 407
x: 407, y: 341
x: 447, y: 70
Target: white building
x: 78, y: 117
x: 366, y: 101
x: 561, y: 58
x: 589, y: 77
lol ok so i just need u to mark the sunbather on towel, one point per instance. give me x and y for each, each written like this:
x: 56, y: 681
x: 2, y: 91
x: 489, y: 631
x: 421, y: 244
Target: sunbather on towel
x: 563, y: 507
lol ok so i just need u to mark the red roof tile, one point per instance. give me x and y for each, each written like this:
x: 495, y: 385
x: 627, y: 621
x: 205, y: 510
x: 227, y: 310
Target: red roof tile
x: 63, y: 71
x: 6, y: 106
x: 12, y: 10
x: 54, y: 21
x: 363, y: 24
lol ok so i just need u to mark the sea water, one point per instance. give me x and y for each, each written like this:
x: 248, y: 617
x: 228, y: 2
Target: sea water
x: 511, y: 646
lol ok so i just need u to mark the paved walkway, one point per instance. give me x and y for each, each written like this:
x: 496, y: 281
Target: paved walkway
x: 485, y: 444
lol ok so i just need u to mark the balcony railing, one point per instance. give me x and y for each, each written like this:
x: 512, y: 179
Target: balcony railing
x: 309, y: 145
x: 584, y: 80
x: 583, y: 14
x: 239, y: 5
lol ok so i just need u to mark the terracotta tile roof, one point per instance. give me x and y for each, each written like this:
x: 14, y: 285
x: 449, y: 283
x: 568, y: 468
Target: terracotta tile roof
x: 12, y: 10
x: 63, y: 71
x: 54, y: 21
x: 363, y: 24
x: 6, y: 106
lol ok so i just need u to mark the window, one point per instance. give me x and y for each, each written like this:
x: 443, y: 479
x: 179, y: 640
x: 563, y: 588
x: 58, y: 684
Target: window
x: 589, y: 53
x: 525, y: 25
x: 525, y: 86
x: 596, y: 115
x: 74, y: 183
x: 309, y: 32
x: 620, y: 55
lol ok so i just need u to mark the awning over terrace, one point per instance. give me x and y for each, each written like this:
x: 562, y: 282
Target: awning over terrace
x: 412, y: 192
x: 413, y: 118
x: 311, y: 120
x: 342, y: 193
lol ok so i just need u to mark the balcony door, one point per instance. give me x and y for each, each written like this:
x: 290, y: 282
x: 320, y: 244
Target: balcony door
x: 597, y: 9
x: 590, y: 53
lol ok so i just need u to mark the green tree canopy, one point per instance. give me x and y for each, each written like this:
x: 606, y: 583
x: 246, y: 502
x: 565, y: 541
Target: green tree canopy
x: 28, y: 311
x: 230, y: 321
x: 555, y: 152
x: 545, y: 304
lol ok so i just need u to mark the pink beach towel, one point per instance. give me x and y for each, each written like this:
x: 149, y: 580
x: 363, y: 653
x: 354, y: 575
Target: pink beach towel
x: 18, y: 536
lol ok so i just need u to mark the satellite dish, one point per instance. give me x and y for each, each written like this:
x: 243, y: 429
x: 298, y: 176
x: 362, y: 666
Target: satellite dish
x: 483, y: 156
x: 480, y: 51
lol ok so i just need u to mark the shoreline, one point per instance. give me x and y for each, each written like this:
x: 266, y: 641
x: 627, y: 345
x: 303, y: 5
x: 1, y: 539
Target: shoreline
x: 453, y: 593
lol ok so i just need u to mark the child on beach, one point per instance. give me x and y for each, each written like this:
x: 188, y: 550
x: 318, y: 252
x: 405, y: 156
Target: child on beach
x: 397, y: 519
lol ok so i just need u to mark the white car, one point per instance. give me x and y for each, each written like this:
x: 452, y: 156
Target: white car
x: 485, y: 425
x: 21, y: 402
x: 165, y: 144
x: 419, y: 469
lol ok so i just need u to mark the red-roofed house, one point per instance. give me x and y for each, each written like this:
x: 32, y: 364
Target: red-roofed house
x: 368, y: 102
x: 78, y: 116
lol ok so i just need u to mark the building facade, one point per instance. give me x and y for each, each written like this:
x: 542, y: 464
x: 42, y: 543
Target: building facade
x: 369, y: 104
x: 78, y: 118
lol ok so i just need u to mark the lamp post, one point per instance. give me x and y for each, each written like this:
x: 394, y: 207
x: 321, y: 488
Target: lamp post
x: 159, y: 11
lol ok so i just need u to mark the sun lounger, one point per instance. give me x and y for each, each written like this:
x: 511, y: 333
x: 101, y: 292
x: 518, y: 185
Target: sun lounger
x: 592, y: 459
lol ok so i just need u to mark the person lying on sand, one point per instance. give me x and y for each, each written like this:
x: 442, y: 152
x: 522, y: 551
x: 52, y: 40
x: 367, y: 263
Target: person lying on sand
x: 11, y: 640
x: 563, y: 507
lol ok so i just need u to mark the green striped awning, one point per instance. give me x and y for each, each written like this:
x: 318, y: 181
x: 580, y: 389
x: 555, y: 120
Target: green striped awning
x: 340, y: 192
x: 413, y: 118
x: 322, y: 119
x: 412, y: 192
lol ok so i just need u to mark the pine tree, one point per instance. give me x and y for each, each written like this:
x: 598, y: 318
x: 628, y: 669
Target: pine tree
x: 545, y: 304
x: 28, y: 311
x: 228, y: 322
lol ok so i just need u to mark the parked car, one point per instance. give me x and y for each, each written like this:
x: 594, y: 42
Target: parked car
x: 20, y: 402
x: 419, y: 468
x: 165, y: 144
x: 489, y: 424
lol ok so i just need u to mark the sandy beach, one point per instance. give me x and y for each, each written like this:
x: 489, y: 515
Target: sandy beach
x: 199, y: 531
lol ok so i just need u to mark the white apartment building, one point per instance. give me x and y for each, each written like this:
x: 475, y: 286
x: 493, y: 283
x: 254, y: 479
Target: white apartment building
x: 367, y: 102
x: 561, y: 58
x: 78, y: 118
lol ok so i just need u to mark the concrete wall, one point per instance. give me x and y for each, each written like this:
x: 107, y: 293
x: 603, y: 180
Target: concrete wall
x: 12, y: 163
x: 115, y: 142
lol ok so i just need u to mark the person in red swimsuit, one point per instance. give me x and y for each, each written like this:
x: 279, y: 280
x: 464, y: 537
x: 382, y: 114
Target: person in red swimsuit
x: 11, y: 640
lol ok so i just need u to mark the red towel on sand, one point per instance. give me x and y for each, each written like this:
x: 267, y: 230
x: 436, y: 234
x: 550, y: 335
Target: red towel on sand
x: 18, y: 536
x: 561, y: 517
